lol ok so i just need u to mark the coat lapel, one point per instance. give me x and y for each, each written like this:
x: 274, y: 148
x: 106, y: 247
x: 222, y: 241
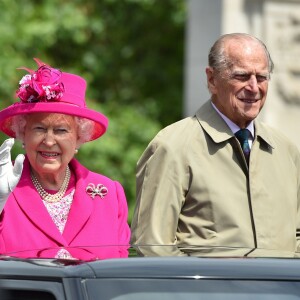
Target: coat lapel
x: 82, y: 206
x: 37, y: 213
x: 32, y: 206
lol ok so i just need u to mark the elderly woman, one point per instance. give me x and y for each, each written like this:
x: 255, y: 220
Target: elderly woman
x: 49, y: 202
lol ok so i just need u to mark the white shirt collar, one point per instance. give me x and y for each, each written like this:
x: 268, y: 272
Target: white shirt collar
x: 234, y: 128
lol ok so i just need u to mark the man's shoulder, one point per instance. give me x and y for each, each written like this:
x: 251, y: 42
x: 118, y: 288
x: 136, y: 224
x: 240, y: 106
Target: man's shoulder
x: 183, y: 124
x: 187, y: 125
x: 179, y: 132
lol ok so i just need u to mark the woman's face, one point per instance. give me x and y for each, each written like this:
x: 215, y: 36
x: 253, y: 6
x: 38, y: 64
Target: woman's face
x: 50, y: 141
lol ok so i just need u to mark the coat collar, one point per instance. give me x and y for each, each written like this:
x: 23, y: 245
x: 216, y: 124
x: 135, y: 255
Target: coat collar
x: 262, y: 132
x: 218, y: 130
x: 213, y: 124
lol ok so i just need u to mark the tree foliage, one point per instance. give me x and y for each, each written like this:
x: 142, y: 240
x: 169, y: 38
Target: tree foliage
x: 129, y: 51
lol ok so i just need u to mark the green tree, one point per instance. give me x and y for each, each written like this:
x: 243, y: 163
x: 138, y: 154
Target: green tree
x: 129, y: 51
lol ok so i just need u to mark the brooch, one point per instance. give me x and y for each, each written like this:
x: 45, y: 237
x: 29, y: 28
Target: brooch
x: 94, y: 190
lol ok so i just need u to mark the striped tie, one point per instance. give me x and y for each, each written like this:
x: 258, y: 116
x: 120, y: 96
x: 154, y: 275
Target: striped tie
x: 243, y: 136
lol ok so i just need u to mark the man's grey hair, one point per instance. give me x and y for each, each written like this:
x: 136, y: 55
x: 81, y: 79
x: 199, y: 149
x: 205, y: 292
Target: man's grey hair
x: 218, y: 59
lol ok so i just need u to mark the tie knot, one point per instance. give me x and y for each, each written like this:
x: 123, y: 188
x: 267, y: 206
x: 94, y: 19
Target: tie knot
x: 243, y: 135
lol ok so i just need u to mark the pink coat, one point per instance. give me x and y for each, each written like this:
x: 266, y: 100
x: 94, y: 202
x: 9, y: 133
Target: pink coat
x: 96, y: 228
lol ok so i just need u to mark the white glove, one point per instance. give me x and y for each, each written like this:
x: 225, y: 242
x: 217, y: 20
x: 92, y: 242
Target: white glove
x: 9, y: 174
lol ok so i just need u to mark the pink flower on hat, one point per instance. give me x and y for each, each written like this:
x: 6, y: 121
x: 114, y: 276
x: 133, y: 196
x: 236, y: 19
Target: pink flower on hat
x: 42, y: 85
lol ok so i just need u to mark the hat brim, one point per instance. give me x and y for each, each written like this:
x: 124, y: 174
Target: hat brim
x: 6, y: 115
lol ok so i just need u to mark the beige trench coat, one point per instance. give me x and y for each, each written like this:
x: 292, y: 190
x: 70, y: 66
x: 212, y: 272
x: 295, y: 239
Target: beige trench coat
x: 197, y: 196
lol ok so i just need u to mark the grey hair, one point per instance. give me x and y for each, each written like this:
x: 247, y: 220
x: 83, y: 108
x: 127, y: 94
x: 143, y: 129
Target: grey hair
x: 85, y: 128
x: 18, y: 123
x: 218, y: 59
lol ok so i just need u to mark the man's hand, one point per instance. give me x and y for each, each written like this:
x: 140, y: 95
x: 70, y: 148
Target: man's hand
x: 9, y: 174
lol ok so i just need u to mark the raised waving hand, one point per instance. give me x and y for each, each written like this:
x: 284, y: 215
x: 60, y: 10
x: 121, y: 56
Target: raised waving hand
x: 9, y: 174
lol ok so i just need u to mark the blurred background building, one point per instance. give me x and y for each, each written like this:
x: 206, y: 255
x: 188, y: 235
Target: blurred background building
x: 277, y: 23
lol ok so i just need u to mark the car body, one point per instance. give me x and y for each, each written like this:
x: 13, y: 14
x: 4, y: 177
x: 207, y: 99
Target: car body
x: 136, y: 278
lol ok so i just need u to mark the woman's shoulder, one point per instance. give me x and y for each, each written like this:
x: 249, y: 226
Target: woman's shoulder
x: 90, y: 176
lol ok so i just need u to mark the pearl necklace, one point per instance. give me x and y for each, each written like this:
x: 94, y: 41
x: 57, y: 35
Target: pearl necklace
x: 52, y: 197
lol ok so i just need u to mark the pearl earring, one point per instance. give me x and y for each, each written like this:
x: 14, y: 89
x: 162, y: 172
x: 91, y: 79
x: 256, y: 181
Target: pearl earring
x: 76, y: 151
x: 23, y: 145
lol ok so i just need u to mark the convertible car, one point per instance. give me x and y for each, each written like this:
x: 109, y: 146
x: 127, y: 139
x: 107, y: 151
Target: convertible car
x: 148, y: 278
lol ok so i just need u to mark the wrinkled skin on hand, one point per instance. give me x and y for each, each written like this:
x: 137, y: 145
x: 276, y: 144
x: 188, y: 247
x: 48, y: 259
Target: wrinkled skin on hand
x: 9, y: 174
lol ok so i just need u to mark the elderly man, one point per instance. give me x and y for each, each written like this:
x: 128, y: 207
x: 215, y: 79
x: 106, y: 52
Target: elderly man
x: 221, y: 183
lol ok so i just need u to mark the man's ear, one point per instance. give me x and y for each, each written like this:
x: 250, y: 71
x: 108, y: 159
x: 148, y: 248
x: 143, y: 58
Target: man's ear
x: 210, y: 77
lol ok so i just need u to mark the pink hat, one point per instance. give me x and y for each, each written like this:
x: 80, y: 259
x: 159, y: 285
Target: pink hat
x: 49, y: 90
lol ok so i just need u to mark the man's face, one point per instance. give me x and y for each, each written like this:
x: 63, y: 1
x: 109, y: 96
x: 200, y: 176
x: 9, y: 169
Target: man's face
x: 240, y: 91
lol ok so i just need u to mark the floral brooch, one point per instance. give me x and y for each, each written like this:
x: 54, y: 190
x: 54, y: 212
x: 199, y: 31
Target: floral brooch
x: 94, y: 190
x: 42, y: 85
